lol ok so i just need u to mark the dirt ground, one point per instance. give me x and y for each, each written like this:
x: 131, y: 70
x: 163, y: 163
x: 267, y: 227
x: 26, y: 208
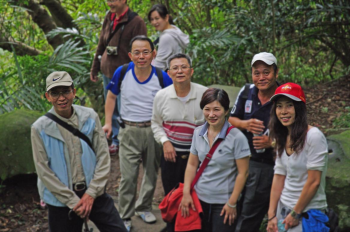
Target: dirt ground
x: 19, y: 201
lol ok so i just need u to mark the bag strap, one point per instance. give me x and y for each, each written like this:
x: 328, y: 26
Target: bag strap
x: 131, y: 16
x: 159, y: 74
x: 71, y: 129
x: 208, y: 158
x: 160, y: 77
x: 245, y: 93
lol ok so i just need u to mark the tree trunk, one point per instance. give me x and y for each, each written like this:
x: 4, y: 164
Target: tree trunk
x: 42, y: 18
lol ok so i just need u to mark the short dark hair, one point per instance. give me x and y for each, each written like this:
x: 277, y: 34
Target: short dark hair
x: 214, y: 94
x: 143, y: 38
x: 275, y: 68
x: 162, y: 11
x: 178, y: 56
x: 298, y: 131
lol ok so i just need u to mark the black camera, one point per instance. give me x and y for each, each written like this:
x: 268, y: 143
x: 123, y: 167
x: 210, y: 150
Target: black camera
x: 120, y: 122
x: 112, y: 50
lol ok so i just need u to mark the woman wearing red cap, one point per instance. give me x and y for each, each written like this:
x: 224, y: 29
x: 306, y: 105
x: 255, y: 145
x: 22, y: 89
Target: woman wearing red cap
x: 298, y: 188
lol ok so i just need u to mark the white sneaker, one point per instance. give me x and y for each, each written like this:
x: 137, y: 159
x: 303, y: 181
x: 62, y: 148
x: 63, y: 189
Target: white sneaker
x: 146, y: 216
x: 127, y: 224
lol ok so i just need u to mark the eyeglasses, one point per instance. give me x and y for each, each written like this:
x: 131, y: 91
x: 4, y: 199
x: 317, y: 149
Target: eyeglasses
x: 138, y: 53
x: 265, y: 74
x: 65, y: 93
x: 177, y: 68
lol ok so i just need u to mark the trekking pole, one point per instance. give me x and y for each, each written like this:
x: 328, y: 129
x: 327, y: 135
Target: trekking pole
x: 87, y: 226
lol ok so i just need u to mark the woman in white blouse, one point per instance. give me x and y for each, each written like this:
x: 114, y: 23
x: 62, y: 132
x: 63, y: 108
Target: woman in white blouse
x: 302, y: 155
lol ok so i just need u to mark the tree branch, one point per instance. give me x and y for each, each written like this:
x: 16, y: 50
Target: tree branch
x: 59, y: 14
x: 21, y: 48
x: 42, y: 18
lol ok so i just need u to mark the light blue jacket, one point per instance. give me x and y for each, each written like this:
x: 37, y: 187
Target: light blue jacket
x: 57, y: 151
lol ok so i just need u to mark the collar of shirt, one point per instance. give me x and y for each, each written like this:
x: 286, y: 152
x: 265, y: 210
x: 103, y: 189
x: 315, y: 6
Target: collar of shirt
x: 192, y: 93
x: 116, y: 20
x: 222, y: 133
x: 72, y: 120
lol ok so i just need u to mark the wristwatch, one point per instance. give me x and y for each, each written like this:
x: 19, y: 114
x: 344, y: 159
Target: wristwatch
x: 295, y: 215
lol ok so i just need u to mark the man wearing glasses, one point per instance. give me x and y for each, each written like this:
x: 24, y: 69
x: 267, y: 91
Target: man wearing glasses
x: 136, y: 90
x: 119, y: 27
x: 71, y: 175
x: 176, y: 113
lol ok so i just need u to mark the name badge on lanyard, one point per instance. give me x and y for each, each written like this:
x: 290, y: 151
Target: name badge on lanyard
x: 248, y: 106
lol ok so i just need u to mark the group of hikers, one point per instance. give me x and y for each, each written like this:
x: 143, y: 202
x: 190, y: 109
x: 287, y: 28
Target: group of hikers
x: 269, y: 161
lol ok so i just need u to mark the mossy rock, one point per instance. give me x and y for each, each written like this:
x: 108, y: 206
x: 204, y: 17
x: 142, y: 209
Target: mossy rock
x: 338, y: 177
x: 15, y: 146
x: 232, y: 92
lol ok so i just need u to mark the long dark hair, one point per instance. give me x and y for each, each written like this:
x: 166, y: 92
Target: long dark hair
x: 298, y: 128
x: 162, y: 11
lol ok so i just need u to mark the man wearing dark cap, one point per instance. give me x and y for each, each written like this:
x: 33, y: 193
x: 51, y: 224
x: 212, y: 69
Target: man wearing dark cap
x: 72, y: 175
x: 251, y: 114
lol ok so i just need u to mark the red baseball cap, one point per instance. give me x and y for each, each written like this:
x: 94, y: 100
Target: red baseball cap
x: 291, y: 90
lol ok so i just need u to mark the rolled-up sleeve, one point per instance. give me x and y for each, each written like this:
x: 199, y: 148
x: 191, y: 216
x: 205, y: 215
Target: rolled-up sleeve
x: 279, y: 167
x: 317, y: 152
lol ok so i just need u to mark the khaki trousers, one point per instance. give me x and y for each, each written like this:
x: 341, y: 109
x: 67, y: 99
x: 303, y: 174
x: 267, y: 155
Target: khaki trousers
x: 136, y: 146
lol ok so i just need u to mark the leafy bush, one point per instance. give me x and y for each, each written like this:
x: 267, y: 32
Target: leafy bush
x: 344, y: 120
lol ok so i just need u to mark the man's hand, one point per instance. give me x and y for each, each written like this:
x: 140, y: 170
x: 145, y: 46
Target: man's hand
x: 261, y: 142
x: 93, y: 78
x: 169, y: 152
x: 84, y: 206
x: 255, y: 126
x: 107, y: 128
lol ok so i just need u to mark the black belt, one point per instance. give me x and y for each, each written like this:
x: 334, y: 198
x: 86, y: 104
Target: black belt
x: 79, y: 186
x: 262, y: 160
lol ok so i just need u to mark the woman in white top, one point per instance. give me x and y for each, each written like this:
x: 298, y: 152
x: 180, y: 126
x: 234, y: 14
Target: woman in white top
x: 302, y: 155
x: 171, y: 39
x: 222, y: 181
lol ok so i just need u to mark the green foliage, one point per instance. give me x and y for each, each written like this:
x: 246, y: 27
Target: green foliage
x: 309, y: 38
x: 344, y: 120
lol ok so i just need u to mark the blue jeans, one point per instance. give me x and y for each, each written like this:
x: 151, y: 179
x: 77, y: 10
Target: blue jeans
x: 115, y: 125
x: 212, y: 221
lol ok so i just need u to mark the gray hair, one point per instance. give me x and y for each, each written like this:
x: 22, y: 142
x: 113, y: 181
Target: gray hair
x: 178, y: 56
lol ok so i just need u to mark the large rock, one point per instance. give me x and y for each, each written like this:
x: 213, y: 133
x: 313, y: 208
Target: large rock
x: 338, y: 177
x: 232, y: 92
x: 15, y: 147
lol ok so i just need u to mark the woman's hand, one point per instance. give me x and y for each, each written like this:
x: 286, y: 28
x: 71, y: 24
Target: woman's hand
x: 230, y: 214
x: 185, y: 204
x: 272, y: 225
x: 290, y: 222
